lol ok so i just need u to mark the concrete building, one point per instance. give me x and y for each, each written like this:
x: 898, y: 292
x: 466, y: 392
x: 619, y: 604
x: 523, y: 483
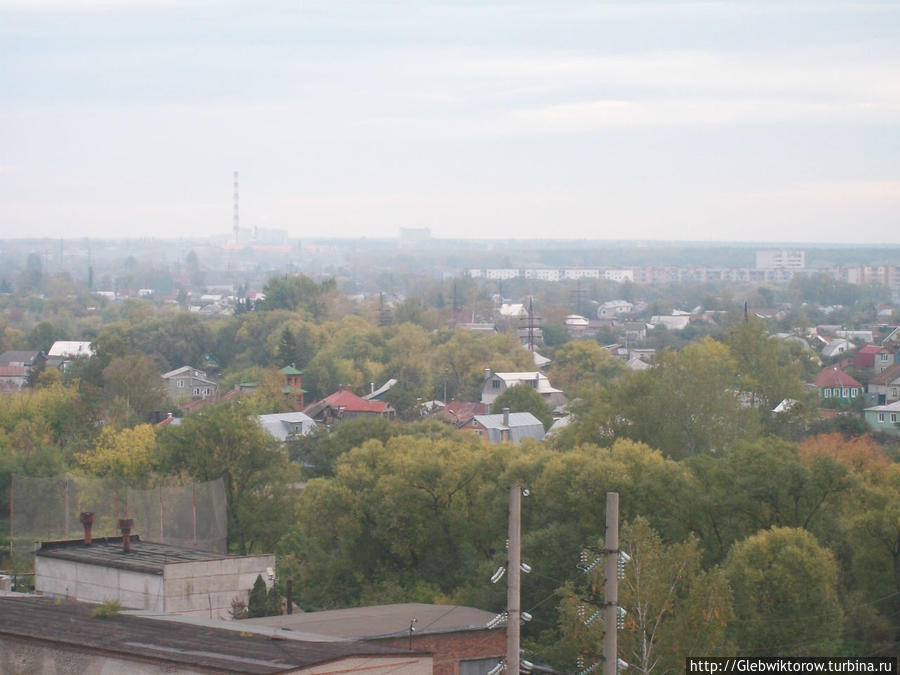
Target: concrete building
x: 284, y: 425
x: 43, y: 635
x: 186, y: 384
x: 150, y: 576
x: 508, y: 426
x: 884, y: 418
x: 496, y: 383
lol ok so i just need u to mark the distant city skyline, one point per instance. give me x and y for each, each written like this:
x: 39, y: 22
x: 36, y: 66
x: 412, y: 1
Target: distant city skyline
x: 741, y: 121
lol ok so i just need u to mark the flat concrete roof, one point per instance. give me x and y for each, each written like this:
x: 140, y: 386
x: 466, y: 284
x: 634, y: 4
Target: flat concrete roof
x: 145, y: 556
x: 361, y: 623
x: 202, y: 647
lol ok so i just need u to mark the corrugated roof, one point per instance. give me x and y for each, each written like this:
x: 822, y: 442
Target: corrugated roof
x: 346, y: 399
x: 382, y: 620
x: 832, y: 376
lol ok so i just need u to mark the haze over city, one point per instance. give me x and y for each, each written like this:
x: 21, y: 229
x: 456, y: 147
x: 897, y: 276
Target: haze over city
x: 705, y: 121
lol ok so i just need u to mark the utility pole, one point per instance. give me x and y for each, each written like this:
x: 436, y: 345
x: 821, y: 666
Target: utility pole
x: 611, y: 593
x: 514, y: 561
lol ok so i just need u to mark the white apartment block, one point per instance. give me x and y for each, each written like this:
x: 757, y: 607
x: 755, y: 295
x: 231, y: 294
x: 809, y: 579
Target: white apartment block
x: 543, y: 274
x: 780, y: 258
x: 619, y: 276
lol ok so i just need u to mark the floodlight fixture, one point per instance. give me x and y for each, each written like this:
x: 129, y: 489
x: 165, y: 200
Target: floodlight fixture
x: 525, y: 666
x: 496, y: 670
x: 526, y: 616
x: 498, y: 575
x: 621, y: 665
x: 525, y: 567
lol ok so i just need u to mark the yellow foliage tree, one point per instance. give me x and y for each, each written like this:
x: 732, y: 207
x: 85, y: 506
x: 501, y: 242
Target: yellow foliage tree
x: 130, y: 454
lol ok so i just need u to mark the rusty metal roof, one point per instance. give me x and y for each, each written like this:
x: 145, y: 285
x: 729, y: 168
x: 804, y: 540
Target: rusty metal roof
x: 69, y: 624
x: 145, y: 556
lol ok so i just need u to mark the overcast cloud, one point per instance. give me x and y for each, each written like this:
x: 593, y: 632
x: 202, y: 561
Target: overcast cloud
x: 766, y: 120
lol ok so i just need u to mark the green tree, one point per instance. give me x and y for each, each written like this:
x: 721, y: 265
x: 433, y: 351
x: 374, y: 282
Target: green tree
x: 785, y: 595
x: 134, y: 380
x: 767, y: 373
x: 580, y: 364
x: 524, y: 398
x: 257, y: 604
x: 298, y: 293
x: 42, y: 336
x: 687, y: 405
x: 224, y: 442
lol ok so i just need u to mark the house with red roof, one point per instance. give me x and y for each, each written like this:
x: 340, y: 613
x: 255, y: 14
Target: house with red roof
x: 834, y: 383
x: 458, y: 413
x: 873, y: 357
x: 344, y: 404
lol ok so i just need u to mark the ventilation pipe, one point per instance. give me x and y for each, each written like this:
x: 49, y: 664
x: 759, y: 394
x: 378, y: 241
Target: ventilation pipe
x: 125, y: 524
x: 87, y: 520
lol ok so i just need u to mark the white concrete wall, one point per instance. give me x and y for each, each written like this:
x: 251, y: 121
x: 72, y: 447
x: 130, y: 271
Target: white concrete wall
x: 206, y: 588
x: 376, y: 665
x: 202, y: 588
x: 64, y: 578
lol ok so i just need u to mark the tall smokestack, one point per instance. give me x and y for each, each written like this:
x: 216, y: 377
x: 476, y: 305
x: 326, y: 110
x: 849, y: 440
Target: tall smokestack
x: 87, y: 520
x: 125, y: 524
x: 506, y: 417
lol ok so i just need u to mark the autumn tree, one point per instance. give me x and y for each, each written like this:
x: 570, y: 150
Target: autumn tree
x: 675, y: 608
x: 129, y: 454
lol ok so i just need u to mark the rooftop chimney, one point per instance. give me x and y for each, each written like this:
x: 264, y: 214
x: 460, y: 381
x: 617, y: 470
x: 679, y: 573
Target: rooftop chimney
x: 125, y: 524
x: 87, y: 520
x: 506, y: 417
x: 487, y: 373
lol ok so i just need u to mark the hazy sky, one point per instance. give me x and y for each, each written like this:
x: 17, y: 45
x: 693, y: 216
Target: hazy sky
x: 762, y: 120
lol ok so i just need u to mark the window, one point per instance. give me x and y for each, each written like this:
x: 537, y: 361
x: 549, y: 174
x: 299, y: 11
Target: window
x: 495, y: 384
x: 853, y: 391
x: 894, y: 418
x: 881, y: 417
x: 845, y: 393
x: 826, y: 393
x: 206, y: 392
x: 884, y: 357
x: 895, y: 391
x: 196, y: 391
x: 180, y: 384
x: 477, y: 666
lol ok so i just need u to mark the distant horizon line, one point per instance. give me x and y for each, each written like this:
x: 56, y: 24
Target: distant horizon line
x: 224, y: 238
